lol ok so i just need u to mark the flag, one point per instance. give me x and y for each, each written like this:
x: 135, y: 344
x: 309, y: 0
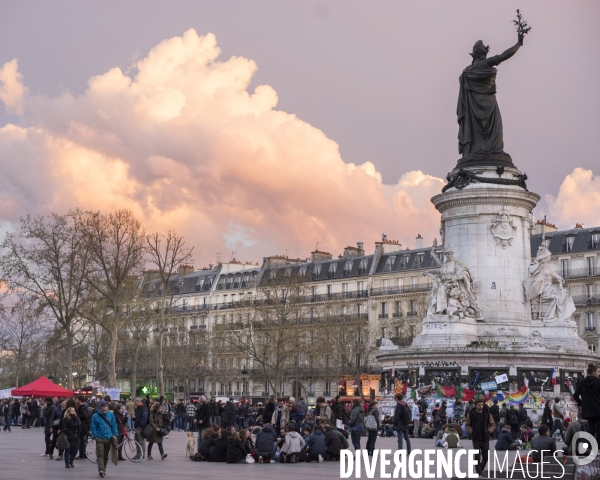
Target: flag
x: 553, y: 376
x: 399, y: 387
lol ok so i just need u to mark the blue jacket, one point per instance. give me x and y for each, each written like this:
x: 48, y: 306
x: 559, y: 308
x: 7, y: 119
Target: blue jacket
x: 316, y: 442
x: 99, y: 427
x: 141, y: 417
x: 504, y: 441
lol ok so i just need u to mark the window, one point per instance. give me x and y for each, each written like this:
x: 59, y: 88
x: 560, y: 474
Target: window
x: 229, y: 282
x: 311, y: 388
x: 591, y: 266
x: 331, y: 270
x: 547, y: 242
x: 272, y: 274
x: 564, y: 268
x: 347, y: 269
x: 384, y: 284
x: 590, y: 291
x: 592, y: 347
x: 404, y: 262
x: 413, y: 281
x: 302, y: 272
x: 329, y: 290
x: 594, y: 241
x: 208, y: 283
x: 200, y: 284
x: 327, y: 388
x: 316, y: 272
x: 360, y: 309
x: 413, y: 307
x: 245, y: 280
x: 419, y: 260
x: 221, y: 284
x: 590, y: 324
x: 383, y: 309
x: 362, y: 267
x: 237, y: 280
x: 359, y: 286
x: 345, y: 288
x: 389, y: 263
x: 568, y: 245
x: 398, y: 307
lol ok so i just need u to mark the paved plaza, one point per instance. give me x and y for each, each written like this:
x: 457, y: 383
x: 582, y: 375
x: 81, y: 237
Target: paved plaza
x: 20, y: 454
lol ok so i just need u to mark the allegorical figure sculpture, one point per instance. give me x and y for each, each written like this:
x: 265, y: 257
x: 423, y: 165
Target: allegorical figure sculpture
x: 479, y: 119
x: 453, y: 291
x: 544, y: 289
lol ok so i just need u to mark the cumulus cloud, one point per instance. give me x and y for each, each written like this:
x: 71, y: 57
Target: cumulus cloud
x: 185, y: 145
x: 577, y: 200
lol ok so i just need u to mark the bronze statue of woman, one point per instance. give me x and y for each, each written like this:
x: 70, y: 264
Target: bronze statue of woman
x: 480, y: 139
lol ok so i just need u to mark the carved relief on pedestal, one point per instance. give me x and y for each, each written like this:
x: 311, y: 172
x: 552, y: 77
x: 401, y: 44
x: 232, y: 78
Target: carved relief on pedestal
x: 503, y: 228
x: 453, y: 291
x: 544, y: 289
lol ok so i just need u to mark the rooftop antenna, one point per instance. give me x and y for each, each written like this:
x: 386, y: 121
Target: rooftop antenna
x: 233, y: 252
x: 218, y: 257
x: 286, y: 251
x: 317, y: 246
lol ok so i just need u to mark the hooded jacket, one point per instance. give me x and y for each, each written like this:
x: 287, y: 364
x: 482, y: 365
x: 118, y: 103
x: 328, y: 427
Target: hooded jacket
x: 265, y: 440
x: 236, y: 451
x: 398, y: 414
x: 333, y: 442
x: 504, y: 441
x: 294, y: 443
x: 316, y: 442
x: 587, y: 397
x: 357, y: 416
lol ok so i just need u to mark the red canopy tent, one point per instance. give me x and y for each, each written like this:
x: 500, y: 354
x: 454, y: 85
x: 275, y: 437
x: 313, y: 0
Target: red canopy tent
x: 42, y: 387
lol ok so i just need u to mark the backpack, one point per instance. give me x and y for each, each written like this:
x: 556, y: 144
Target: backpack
x: 452, y: 440
x: 371, y: 423
x: 514, y: 419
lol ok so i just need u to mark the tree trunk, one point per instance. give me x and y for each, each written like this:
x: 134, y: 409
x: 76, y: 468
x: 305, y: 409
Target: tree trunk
x: 161, y: 367
x: 133, y: 388
x: 112, y: 356
x: 69, y: 359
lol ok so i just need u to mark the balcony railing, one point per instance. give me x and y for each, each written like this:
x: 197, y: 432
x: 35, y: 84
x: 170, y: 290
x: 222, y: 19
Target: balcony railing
x: 411, y: 314
x: 419, y: 287
x: 190, y: 308
x: 397, y: 315
x: 383, y: 315
x: 582, y: 300
x: 323, y: 297
x: 590, y: 329
x: 579, y: 272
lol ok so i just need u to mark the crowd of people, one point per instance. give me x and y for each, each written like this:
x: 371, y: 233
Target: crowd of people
x: 292, y: 432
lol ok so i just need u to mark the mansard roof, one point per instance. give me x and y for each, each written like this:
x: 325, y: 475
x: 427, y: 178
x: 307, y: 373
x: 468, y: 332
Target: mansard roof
x: 558, y: 240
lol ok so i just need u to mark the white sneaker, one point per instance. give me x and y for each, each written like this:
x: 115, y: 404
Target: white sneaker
x: 44, y: 455
x: 321, y: 458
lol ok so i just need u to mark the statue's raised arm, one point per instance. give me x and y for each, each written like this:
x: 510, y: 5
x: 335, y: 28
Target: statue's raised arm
x: 505, y: 55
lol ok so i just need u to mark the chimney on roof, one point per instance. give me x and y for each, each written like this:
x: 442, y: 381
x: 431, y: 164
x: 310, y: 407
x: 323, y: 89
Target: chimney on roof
x: 185, y: 270
x: 318, y: 256
x: 419, y: 241
x: 542, y: 226
x: 151, y: 275
x: 383, y: 237
x: 361, y: 250
x: 579, y: 226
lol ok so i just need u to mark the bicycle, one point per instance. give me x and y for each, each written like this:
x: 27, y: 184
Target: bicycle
x: 130, y: 448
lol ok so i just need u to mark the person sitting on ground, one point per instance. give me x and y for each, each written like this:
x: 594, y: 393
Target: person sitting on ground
x: 293, y: 447
x: 265, y: 444
x: 236, y: 450
x: 505, y: 440
x: 579, y: 425
x: 440, y: 435
x: 387, y: 430
x: 315, y: 445
x: 451, y: 438
x: 333, y: 443
x: 246, y: 439
x: 428, y: 430
x: 220, y: 451
x: 542, y: 442
x: 207, y: 444
x: 525, y: 434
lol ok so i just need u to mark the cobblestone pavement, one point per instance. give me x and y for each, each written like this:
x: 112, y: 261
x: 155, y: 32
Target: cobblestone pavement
x: 20, y: 459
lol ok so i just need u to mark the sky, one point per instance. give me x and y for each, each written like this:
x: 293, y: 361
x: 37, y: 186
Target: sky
x: 264, y: 127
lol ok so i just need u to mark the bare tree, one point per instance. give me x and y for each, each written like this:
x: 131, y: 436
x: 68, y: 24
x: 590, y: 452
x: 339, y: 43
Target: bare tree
x: 116, y: 245
x: 48, y: 259
x: 22, y: 327
x: 167, y: 253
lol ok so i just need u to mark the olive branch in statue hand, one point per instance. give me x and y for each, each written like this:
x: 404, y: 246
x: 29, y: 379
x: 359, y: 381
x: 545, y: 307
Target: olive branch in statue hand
x: 521, y: 26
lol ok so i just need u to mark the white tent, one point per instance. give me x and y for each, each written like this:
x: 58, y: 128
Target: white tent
x: 6, y: 393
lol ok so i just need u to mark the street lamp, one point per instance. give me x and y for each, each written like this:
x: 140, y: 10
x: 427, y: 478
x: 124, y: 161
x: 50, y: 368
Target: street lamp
x: 244, y: 375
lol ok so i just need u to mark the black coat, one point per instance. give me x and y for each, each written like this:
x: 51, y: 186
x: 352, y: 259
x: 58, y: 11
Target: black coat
x: 268, y: 412
x: 547, y: 416
x: 70, y: 427
x: 47, y: 412
x: 229, y: 413
x: 236, y: 451
x: 220, y: 453
x: 587, y: 397
x: 495, y: 413
x: 141, y: 417
x: 265, y: 439
x: 203, y: 414
x: 205, y: 445
x: 333, y: 442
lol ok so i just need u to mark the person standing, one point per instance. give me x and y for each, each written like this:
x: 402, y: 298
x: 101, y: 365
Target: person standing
x: 156, y: 421
x: 587, y: 396
x: 441, y: 417
x: 202, y: 419
x: 323, y: 412
x: 459, y: 410
x: 229, y: 414
x: 130, y: 407
x: 7, y: 412
x: 140, y: 420
x: 190, y: 414
x: 84, y: 417
x: 47, y: 414
x: 495, y: 413
x: 480, y: 424
x: 522, y: 415
x: 357, y: 422
x: 179, y: 416
x: 416, y: 415
x: 242, y: 415
x: 269, y: 410
x: 372, y: 434
x: 402, y: 416
x: 338, y: 412
x: 71, y: 426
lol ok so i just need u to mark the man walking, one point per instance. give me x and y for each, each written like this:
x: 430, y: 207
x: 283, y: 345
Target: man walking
x: 402, y: 416
x: 415, y: 418
x: 84, y: 418
x: 480, y: 425
x: 104, y: 428
x: 7, y: 411
x: 559, y: 416
x: 190, y: 414
x: 140, y: 420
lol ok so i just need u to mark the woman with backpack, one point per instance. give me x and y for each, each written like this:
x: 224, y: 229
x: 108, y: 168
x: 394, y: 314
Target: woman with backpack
x: 372, y: 426
x: 357, y: 420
